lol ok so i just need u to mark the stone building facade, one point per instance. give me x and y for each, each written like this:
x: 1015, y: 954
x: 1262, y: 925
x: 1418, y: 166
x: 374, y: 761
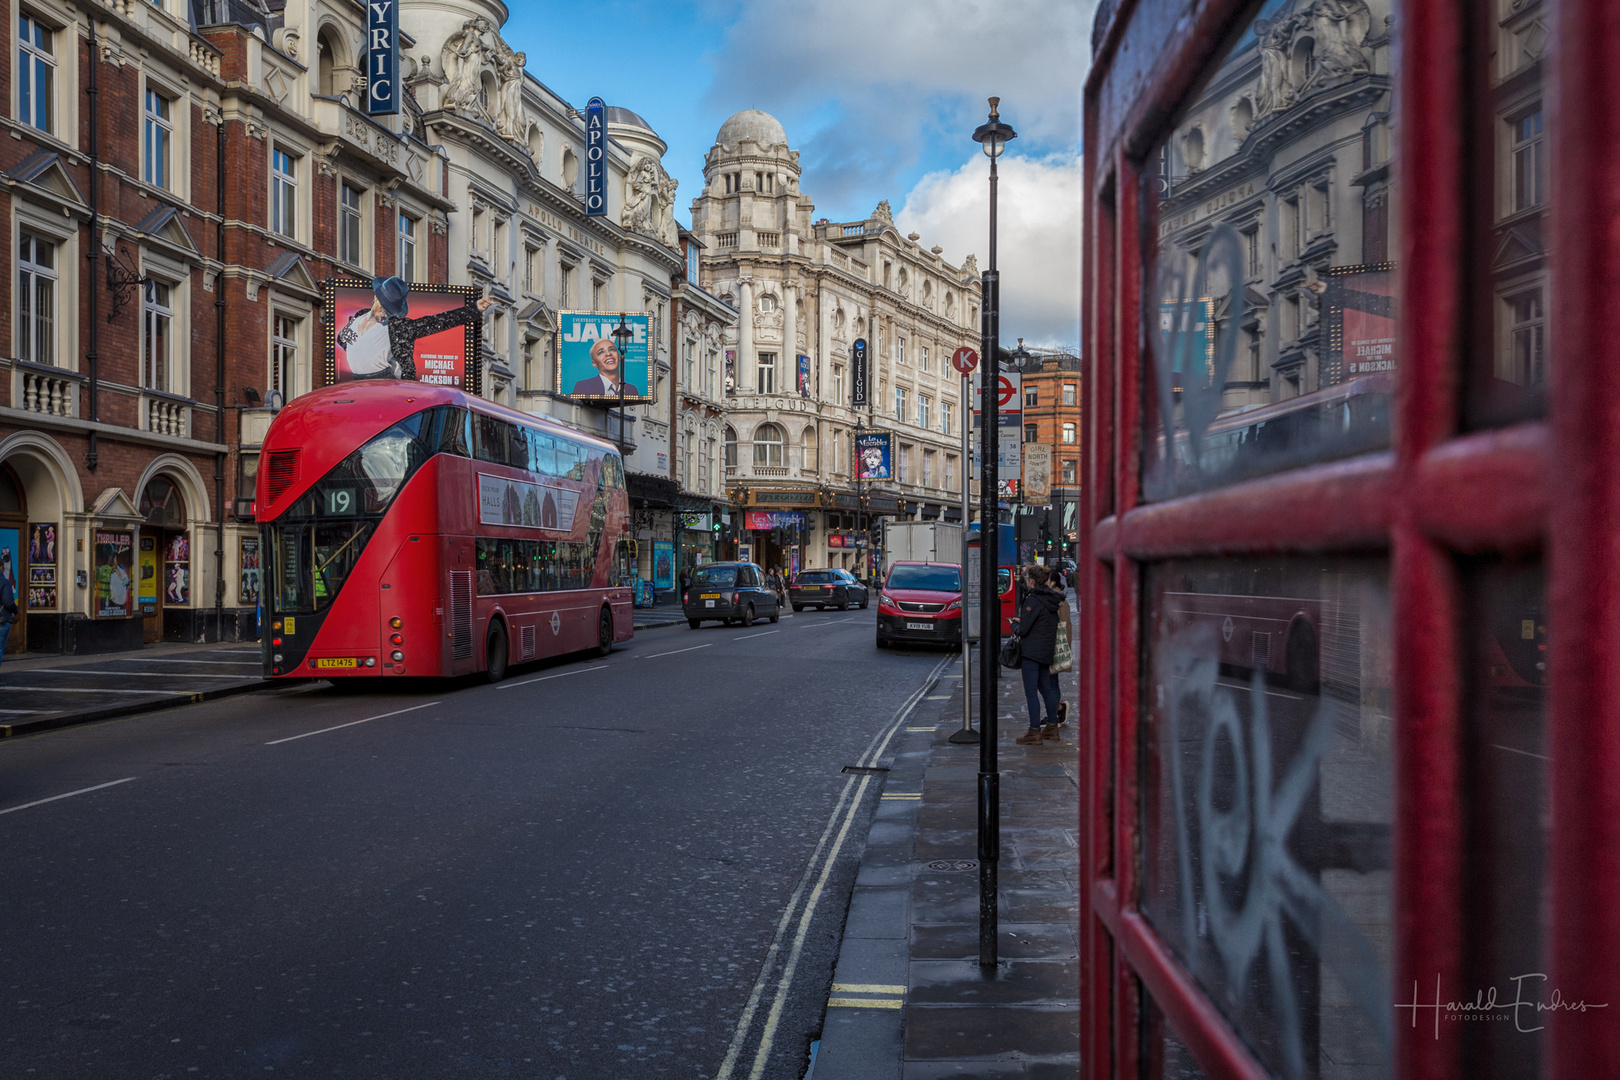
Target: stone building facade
x: 805, y: 290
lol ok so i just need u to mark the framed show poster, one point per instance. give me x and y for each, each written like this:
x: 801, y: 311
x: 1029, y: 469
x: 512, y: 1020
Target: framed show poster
x: 177, y: 569
x: 147, y: 586
x: 248, y: 590
x: 41, y: 565
x: 389, y: 329
x: 114, y: 584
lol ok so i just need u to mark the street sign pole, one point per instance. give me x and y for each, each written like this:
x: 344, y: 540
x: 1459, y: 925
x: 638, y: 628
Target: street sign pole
x: 964, y: 360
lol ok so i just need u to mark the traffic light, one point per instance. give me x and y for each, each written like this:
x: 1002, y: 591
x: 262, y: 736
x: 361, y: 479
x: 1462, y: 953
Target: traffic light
x: 717, y: 526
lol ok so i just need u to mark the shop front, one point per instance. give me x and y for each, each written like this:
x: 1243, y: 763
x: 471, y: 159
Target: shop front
x: 1349, y: 739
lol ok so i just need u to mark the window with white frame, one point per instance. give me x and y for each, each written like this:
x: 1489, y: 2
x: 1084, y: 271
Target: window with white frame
x: 928, y: 468
x: 531, y: 270
x: 157, y: 140
x: 900, y: 404
x: 406, y: 262
x: 1070, y: 432
x: 1068, y: 471
x: 1529, y: 161
x: 922, y: 358
x: 768, y: 445
x: 899, y: 349
x: 351, y: 218
x: 284, y: 355
x: 904, y: 473
x: 565, y: 292
x: 689, y: 459
x: 731, y: 447
x: 283, y: 193
x: 36, y: 74
x: 950, y: 473
x: 689, y: 366
x: 692, y: 263
x: 157, y: 337
x: 1031, y: 433
x: 925, y: 412
x: 1068, y: 393
x: 767, y: 373
x: 36, y: 299
x: 838, y: 384
x: 945, y: 417
x: 1032, y: 398
x: 596, y: 294
x: 1527, y: 339
x: 705, y: 464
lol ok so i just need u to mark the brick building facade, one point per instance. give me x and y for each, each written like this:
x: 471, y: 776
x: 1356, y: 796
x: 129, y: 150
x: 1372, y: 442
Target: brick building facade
x: 179, y: 179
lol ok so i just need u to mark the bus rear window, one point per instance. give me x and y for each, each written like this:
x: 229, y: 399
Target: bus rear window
x: 717, y: 575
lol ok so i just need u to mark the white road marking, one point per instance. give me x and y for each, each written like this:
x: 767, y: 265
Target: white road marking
x: 694, y: 648
x: 68, y: 795
x: 745, y: 637
x: 351, y: 723
x: 846, y: 808
x: 93, y: 690
x: 543, y: 678
x: 216, y: 663
x: 21, y: 712
x: 141, y: 674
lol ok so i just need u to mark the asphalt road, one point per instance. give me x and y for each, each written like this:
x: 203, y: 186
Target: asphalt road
x: 635, y: 866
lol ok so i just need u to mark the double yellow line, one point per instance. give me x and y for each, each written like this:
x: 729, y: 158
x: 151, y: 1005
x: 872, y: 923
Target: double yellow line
x: 872, y: 996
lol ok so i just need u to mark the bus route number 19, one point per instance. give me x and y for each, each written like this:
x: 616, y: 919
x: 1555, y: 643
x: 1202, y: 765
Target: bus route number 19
x: 340, y: 502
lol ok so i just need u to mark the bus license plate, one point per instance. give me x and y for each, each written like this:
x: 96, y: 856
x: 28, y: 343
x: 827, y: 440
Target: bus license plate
x: 919, y: 626
x: 338, y: 662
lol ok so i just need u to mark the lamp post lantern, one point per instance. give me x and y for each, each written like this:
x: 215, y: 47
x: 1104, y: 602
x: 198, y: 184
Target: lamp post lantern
x: 622, y: 336
x: 993, y: 135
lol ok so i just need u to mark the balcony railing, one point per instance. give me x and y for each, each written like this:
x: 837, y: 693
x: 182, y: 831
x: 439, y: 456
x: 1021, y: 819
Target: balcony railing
x: 162, y: 414
x: 40, y: 388
x: 725, y: 240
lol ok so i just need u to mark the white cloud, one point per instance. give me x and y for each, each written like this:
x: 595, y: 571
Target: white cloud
x: 867, y: 90
x: 1037, y: 237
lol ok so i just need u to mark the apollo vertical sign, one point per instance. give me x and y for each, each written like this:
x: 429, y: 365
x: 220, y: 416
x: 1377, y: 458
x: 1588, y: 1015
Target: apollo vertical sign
x: 382, y: 57
x: 595, y: 157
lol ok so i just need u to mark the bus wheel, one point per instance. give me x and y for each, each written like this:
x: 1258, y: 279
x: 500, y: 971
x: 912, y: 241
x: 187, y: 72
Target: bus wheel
x: 495, y: 654
x: 604, y: 633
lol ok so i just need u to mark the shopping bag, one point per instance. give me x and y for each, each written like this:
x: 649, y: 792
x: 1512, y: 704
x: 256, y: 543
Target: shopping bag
x: 1063, y: 654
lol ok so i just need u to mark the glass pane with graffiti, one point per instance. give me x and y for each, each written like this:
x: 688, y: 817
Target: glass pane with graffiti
x: 1271, y: 335
x: 1266, y: 801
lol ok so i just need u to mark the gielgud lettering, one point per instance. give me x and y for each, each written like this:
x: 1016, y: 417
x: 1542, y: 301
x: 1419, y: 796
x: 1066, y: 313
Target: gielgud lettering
x: 1213, y: 205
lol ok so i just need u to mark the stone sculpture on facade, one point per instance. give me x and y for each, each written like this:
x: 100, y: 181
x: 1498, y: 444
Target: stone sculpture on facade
x: 463, y: 61
x: 649, y: 201
x: 883, y: 213
x: 1333, y: 30
x: 466, y: 55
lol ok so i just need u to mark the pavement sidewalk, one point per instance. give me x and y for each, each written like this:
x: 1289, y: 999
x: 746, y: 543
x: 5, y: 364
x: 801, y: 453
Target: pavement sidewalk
x: 909, y: 1000
x: 41, y: 692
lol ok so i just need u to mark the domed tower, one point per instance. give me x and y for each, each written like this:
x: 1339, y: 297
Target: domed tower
x: 751, y: 199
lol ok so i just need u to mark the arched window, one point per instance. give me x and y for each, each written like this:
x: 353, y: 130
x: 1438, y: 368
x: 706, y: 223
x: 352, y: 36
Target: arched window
x: 767, y: 445
x: 162, y: 505
x: 325, y: 65
x: 767, y: 302
x: 731, y: 447
x: 1070, y: 430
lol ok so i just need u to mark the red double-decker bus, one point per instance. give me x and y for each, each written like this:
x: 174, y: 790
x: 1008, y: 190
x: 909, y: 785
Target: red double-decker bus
x: 413, y: 529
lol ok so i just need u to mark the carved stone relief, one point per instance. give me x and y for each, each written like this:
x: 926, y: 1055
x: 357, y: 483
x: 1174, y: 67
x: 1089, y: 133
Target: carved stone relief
x: 467, y: 55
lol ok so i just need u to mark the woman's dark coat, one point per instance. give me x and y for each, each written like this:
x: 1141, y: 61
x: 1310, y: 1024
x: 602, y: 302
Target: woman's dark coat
x: 1038, y: 624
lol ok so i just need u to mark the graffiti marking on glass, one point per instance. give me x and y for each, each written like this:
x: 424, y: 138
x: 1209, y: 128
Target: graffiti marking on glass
x: 1241, y: 815
x: 1194, y: 357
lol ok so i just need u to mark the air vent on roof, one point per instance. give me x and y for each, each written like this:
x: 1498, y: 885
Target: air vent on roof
x: 281, y: 473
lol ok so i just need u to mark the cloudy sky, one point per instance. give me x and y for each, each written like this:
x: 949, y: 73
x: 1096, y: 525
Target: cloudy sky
x: 880, y: 98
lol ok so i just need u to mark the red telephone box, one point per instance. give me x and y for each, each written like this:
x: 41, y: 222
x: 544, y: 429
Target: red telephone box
x: 1350, y: 541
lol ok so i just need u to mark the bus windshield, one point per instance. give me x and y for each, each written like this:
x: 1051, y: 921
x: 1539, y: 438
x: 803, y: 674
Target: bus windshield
x: 317, y: 542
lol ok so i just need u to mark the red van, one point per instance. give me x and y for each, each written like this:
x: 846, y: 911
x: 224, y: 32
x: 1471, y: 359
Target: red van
x: 921, y: 602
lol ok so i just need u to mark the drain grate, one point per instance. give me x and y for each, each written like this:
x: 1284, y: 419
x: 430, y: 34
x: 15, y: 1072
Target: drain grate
x: 864, y: 770
x: 953, y: 865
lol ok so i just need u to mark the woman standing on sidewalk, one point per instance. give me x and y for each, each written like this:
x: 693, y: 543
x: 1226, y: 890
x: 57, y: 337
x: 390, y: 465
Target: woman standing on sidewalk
x: 1038, y: 621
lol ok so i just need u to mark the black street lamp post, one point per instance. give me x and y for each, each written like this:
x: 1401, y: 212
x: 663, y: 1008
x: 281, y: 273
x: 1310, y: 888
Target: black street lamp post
x: 992, y: 135
x: 622, y: 336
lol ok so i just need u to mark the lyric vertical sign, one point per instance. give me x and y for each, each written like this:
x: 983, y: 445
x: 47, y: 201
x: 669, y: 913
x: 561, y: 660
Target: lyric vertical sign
x: 382, y: 57
x: 596, y: 157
